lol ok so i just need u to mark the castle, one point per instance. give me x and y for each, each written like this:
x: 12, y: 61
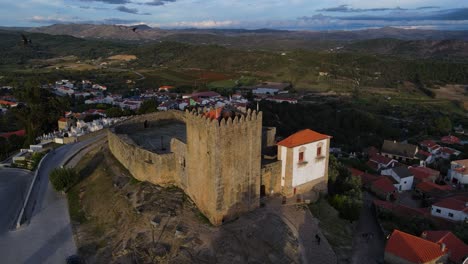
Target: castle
x: 216, y: 158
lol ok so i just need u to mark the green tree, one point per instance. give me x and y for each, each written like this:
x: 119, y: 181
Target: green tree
x: 63, y: 178
x: 148, y: 106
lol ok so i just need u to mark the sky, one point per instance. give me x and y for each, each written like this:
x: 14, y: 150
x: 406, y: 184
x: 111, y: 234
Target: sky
x: 248, y: 14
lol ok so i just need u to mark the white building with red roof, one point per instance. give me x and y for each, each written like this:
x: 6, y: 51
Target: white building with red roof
x: 458, y: 172
x: 304, y: 157
x: 452, y: 208
x: 451, y: 140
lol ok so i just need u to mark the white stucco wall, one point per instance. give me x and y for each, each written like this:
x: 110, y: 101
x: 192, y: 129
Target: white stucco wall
x: 462, y: 178
x: 283, y: 163
x: 405, y: 183
x: 457, y: 215
x: 313, y: 168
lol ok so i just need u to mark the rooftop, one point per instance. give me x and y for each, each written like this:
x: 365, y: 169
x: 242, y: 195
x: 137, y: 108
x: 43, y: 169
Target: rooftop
x: 383, y: 184
x: 458, y: 249
x: 400, y: 149
x: 422, y: 173
x: 412, y: 248
x: 301, y: 138
x: 457, y: 203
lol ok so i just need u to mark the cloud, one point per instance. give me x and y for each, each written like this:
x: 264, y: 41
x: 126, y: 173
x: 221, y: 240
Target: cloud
x: 159, y: 2
x: 112, y: 2
x: 76, y: 20
x: 127, y: 10
x: 347, y: 9
x: 450, y: 14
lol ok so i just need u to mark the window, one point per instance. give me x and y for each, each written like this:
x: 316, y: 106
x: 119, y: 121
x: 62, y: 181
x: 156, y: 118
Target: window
x: 438, y: 211
x: 450, y: 214
x: 319, y: 151
x: 301, y: 156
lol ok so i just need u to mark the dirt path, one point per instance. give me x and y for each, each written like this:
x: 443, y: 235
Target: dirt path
x: 368, y: 240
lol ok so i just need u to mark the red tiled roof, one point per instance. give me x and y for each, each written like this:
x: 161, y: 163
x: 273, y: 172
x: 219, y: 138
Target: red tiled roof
x: 450, y: 140
x: 428, y: 143
x: 380, y: 159
x: 402, y: 210
x: 368, y: 178
x: 447, y: 150
x: 355, y: 172
x: 430, y: 186
x: 383, y: 184
x: 372, y: 165
x: 3, y: 102
x: 214, y: 113
x: 412, y: 248
x: 457, y: 203
x: 424, y: 153
x: 19, y: 133
x: 422, y: 173
x: 302, y: 137
x: 458, y: 249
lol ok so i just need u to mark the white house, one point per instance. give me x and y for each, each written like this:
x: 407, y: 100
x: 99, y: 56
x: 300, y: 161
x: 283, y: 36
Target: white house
x: 458, y: 172
x: 453, y: 208
x: 402, y: 176
x: 304, y: 159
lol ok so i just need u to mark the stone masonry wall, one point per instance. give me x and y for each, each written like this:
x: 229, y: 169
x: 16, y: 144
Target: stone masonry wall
x: 219, y: 167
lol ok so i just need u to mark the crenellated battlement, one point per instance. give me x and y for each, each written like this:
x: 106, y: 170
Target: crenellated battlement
x: 199, y: 116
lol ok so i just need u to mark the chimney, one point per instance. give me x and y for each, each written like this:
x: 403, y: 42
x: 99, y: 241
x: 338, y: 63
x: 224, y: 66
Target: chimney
x: 424, y: 235
x: 394, y: 141
x: 466, y: 204
x: 442, y: 247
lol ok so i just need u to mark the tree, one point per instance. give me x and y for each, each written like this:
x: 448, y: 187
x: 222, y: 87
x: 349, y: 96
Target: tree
x: 63, y: 178
x: 148, y: 106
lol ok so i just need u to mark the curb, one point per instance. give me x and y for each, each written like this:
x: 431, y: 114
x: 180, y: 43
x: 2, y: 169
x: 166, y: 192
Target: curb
x: 18, y: 221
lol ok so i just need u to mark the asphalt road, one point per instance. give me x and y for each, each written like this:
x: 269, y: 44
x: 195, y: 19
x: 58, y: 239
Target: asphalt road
x: 14, y: 185
x: 46, y: 236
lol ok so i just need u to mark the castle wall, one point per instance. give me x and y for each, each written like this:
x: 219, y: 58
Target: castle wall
x: 144, y: 165
x: 218, y: 167
x: 271, y: 178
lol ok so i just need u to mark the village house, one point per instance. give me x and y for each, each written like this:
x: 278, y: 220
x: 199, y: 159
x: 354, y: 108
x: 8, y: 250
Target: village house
x: 446, y: 153
x: 425, y: 157
x: 64, y: 123
x: 379, y: 162
x: 452, y: 208
x: 424, y: 174
x: 431, y: 190
x: 399, y: 151
x: 271, y: 88
x: 401, y: 176
x: 304, y: 158
x: 458, y: 251
x: 458, y: 172
x: 450, y: 140
x: 402, y: 247
x: 431, y: 146
x: 383, y: 188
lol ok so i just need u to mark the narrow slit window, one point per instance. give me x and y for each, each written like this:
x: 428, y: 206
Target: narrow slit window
x: 301, y: 156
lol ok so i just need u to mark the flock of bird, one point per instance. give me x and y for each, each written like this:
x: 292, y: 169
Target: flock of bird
x: 27, y: 41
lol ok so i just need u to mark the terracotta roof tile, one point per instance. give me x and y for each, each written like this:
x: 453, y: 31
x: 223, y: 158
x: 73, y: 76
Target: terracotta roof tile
x: 412, y: 248
x: 383, y: 184
x: 302, y: 137
x: 422, y: 173
x: 458, y: 250
x: 430, y: 186
x: 457, y: 203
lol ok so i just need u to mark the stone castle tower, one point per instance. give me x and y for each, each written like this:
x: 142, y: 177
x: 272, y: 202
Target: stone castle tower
x: 224, y: 163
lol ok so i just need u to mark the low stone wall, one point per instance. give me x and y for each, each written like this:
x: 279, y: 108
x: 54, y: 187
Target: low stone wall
x: 144, y: 165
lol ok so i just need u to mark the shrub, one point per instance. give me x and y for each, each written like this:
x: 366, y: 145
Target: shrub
x: 63, y: 178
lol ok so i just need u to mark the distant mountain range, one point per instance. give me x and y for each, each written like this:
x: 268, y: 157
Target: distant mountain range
x: 145, y: 32
x: 451, y: 45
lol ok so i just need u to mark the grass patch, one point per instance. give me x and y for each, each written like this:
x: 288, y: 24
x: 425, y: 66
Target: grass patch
x: 337, y: 231
x: 76, y: 214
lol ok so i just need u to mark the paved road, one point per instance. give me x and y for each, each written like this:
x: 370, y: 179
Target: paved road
x: 305, y: 227
x: 14, y: 185
x: 47, y: 236
x: 368, y: 249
